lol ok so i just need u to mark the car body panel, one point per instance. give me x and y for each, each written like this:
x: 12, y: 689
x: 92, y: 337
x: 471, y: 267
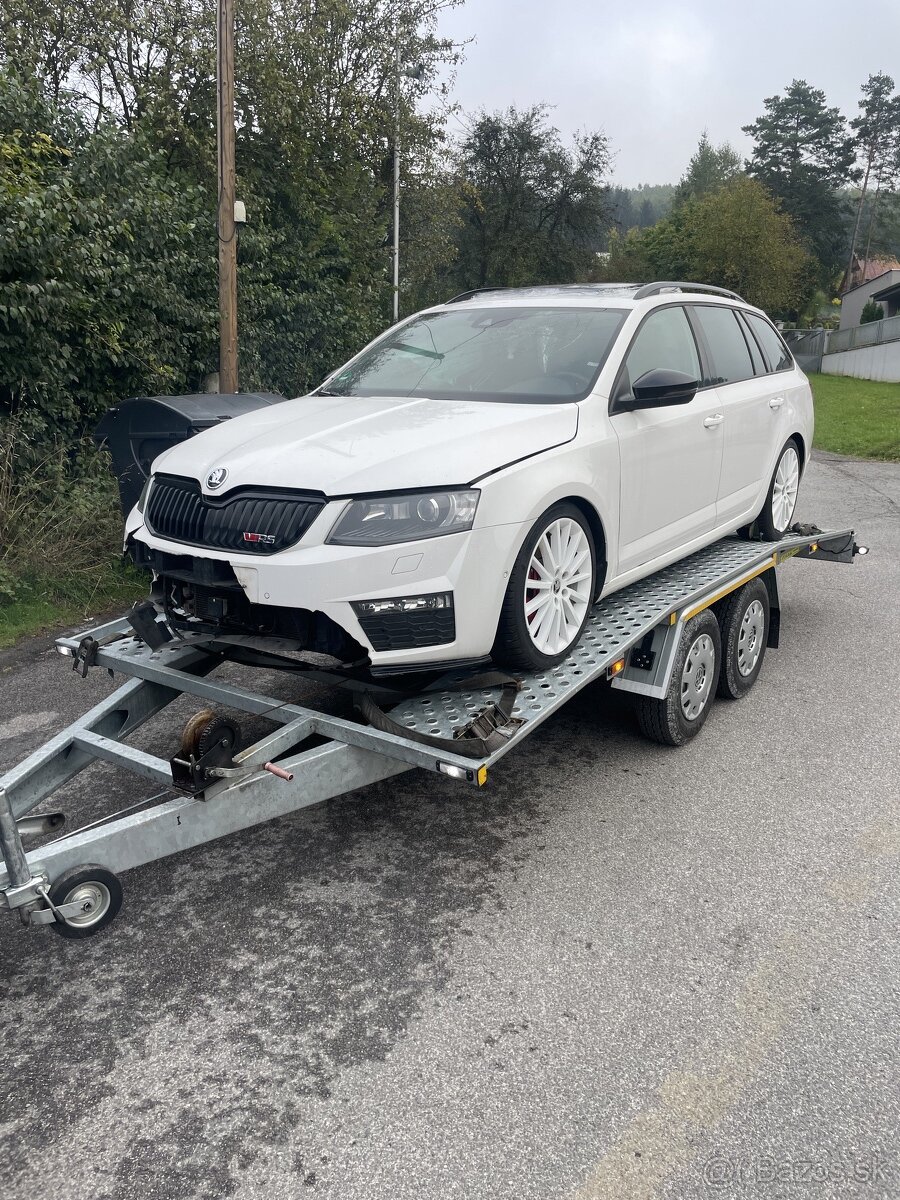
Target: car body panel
x: 362, y: 445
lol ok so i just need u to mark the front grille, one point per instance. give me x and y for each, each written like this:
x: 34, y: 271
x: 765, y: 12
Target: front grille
x: 408, y: 630
x: 177, y: 509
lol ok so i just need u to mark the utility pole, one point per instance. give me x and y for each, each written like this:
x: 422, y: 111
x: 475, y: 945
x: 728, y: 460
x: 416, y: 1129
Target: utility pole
x: 228, y: 354
x: 396, y: 229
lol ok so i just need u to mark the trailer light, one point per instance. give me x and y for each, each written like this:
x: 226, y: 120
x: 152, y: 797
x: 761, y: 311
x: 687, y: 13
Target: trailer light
x: 862, y: 549
x: 814, y: 547
x: 617, y: 668
x: 465, y: 773
x: 65, y: 651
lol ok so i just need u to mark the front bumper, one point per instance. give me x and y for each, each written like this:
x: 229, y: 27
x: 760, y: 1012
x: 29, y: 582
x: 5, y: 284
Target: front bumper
x: 316, y: 578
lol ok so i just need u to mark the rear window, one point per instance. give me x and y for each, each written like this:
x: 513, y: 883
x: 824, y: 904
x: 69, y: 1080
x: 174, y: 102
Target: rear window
x: 776, y: 352
x: 730, y: 356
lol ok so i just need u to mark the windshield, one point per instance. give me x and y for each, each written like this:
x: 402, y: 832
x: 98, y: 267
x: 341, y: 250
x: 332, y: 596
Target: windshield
x: 513, y: 354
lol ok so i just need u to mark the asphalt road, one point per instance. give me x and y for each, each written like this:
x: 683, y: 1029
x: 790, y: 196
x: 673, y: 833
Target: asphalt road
x: 617, y: 971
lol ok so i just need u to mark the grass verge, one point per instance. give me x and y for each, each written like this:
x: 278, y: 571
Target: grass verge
x: 857, y: 417
x: 47, y: 603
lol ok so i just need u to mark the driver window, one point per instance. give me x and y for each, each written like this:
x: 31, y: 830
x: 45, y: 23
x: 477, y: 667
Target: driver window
x: 664, y: 340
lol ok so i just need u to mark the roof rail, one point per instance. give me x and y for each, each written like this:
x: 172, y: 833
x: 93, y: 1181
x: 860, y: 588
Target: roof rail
x: 669, y: 285
x: 474, y: 292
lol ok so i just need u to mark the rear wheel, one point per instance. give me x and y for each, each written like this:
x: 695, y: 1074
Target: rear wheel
x: 680, y: 715
x: 781, y: 500
x: 550, y: 592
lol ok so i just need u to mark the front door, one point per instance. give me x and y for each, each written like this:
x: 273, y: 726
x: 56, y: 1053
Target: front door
x: 670, y: 457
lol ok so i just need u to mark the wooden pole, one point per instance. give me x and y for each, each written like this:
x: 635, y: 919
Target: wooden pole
x: 228, y: 352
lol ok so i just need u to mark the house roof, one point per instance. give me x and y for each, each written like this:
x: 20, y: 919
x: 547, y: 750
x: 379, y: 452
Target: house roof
x: 864, y: 272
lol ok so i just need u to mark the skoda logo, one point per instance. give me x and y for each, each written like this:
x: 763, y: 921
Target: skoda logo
x: 216, y: 478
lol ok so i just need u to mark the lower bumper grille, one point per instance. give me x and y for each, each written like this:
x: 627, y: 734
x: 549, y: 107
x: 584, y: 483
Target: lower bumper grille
x: 408, y: 630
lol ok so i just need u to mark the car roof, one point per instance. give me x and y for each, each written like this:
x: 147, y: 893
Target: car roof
x: 603, y: 295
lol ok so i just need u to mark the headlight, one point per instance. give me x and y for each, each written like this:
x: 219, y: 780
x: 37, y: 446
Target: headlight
x: 142, y: 499
x: 389, y: 519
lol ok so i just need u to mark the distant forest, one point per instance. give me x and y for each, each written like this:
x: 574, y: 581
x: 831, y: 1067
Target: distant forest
x: 638, y: 207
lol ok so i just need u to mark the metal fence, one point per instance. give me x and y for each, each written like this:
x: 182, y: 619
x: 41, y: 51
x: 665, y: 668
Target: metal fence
x: 872, y: 334
x: 807, y: 346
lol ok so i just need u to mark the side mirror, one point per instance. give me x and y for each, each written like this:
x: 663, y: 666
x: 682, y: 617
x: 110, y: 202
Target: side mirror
x: 658, y: 388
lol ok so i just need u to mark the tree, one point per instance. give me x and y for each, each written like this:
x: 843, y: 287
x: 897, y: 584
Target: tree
x: 877, y: 130
x: 803, y: 154
x: 709, y: 169
x: 735, y: 237
x: 532, y: 209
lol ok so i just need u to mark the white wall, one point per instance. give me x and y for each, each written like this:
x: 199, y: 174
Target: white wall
x: 868, y: 362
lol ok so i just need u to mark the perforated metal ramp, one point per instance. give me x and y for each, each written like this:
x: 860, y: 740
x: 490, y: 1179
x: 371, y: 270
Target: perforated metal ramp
x: 616, y: 624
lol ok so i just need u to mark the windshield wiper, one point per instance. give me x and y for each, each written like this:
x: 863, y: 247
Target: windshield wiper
x: 417, y: 350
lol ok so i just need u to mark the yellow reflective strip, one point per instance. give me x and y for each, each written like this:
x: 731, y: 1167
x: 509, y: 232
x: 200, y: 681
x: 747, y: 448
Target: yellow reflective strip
x: 733, y: 587
x: 482, y: 776
x: 673, y: 618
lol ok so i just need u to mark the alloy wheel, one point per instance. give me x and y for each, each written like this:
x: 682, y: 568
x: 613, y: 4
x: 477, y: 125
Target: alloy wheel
x: 785, y: 488
x: 558, y: 586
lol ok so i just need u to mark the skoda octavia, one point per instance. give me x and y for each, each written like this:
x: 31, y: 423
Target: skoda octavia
x: 477, y: 477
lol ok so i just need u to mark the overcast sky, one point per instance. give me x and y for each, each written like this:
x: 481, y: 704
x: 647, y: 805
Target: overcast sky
x: 653, y: 73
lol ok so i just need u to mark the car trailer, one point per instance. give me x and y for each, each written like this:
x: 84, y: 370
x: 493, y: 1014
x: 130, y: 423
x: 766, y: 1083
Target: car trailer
x: 658, y: 639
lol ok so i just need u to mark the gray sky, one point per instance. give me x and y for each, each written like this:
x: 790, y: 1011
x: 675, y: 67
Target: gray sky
x: 653, y: 73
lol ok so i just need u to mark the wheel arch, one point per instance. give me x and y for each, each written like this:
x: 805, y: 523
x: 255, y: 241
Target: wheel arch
x: 598, y: 533
x: 804, y: 452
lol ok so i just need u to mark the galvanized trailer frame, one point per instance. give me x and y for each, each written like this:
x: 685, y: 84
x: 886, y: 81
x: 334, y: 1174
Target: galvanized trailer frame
x: 631, y: 638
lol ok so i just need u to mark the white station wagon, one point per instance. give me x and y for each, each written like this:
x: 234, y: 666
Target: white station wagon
x: 477, y: 477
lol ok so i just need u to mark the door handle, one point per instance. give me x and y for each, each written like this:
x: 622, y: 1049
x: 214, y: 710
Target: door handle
x: 713, y: 421
x: 776, y: 402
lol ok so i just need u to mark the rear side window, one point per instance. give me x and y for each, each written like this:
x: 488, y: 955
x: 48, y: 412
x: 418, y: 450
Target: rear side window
x: 727, y: 346
x: 760, y: 366
x: 777, y: 354
x: 664, y: 340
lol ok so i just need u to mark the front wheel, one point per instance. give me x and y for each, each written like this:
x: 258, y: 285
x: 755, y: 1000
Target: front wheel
x: 781, y: 499
x: 550, y: 592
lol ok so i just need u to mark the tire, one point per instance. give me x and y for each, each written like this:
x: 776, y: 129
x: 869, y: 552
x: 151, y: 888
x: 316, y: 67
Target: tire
x: 777, y: 514
x: 681, y: 715
x: 98, y: 888
x: 744, y: 621
x: 525, y: 641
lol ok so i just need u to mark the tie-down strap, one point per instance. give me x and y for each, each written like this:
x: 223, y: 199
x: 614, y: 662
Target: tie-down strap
x: 487, y: 732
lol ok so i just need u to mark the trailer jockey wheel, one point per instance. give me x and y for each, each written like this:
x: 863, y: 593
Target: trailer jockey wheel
x: 680, y: 715
x: 744, y: 619
x: 96, y: 892
x: 207, y: 729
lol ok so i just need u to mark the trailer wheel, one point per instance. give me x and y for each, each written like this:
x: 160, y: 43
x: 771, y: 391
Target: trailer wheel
x: 678, y: 717
x: 744, y: 619
x: 97, y: 890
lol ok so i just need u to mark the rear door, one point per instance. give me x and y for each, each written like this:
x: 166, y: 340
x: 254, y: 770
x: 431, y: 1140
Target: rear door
x: 743, y: 387
x: 669, y: 457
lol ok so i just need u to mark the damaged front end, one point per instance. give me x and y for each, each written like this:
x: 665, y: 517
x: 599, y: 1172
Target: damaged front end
x: 204, y: 595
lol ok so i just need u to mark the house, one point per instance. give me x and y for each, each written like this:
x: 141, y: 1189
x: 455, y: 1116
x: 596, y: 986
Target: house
x: 866, y: 277
x: 889, y: 297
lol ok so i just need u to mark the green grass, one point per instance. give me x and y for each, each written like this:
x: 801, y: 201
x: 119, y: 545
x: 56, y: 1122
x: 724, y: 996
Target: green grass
x: 48, y: 603
x: 857, y: 417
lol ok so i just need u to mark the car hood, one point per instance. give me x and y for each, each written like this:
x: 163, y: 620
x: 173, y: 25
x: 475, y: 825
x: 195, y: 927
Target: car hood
x: 344, y: 445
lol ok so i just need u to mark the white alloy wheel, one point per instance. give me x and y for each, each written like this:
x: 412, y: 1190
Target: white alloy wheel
x: 558, y: 586
x: 785, y: 487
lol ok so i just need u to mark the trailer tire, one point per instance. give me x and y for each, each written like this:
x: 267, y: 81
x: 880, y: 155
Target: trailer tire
x: 101, y: 892
x: 744, y: 620
x: 681, y: 714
